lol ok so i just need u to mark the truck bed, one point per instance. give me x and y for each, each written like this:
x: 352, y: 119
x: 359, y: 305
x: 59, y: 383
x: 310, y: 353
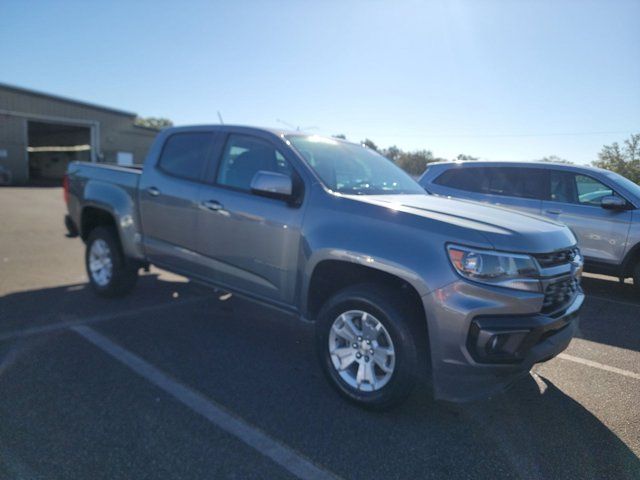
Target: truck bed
x: 124, y: 176
x: 112, y: 187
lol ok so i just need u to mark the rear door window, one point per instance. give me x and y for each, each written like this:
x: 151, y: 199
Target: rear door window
x: 516, y: 182
x: 186, y: 155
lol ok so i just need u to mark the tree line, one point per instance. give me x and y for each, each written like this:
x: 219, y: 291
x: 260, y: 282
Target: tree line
x: 623, y: 159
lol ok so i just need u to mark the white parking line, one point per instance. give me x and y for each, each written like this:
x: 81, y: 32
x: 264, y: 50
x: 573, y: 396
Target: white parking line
x: 284, y: 456
x: 601, y: 366
x: 54, y: 327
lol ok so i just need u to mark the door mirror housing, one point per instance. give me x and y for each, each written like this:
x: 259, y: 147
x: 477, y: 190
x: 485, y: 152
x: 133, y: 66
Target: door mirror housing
x: 272, y: 185
x: 611, y: 202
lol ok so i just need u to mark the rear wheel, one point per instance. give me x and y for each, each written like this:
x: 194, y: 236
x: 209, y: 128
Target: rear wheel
x: 367, y: 346
x: 110, y: 273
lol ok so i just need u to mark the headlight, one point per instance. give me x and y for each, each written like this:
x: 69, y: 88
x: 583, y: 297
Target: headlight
x: 507, y: 270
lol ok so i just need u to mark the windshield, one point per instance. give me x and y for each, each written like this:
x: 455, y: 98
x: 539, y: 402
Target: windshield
x: 353, y: 169
x: 632, y: 187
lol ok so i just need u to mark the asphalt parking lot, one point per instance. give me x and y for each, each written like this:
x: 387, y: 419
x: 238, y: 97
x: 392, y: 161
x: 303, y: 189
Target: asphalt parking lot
x: 172, y: 382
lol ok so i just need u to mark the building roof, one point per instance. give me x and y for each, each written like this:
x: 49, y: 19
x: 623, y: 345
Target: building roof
x: 35, y: 93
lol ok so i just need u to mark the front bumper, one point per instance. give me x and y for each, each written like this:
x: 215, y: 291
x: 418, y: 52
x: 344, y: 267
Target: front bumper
x: 484, y: 338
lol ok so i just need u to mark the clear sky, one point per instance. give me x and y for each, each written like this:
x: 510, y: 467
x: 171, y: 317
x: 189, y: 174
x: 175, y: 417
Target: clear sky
x: 496, y: 79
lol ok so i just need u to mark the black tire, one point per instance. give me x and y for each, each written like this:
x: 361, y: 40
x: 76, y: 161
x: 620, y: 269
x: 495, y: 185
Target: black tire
x: 636, y: 276
x: 397, y: 318
x: 124, y: 273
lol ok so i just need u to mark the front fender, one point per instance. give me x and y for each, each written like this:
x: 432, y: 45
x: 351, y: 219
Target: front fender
x: 377, y: 263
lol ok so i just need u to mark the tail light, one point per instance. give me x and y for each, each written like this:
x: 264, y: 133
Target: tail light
x: 65, y: 188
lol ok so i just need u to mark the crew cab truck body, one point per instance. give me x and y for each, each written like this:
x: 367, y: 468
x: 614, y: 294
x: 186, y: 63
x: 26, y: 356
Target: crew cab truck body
x: 338, y: 235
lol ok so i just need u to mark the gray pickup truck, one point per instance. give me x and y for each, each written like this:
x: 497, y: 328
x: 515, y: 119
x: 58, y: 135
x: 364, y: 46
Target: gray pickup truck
x: 399, y: 284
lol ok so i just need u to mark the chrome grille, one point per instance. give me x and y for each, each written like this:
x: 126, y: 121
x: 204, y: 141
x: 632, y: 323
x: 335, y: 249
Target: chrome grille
x: 559, y: 294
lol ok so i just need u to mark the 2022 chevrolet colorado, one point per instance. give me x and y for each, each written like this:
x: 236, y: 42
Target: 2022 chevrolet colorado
x: 399, y: 284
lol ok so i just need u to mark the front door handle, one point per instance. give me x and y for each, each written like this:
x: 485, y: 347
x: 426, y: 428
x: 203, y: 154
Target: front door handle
x: 153, y: 191
x: 211, y: 205
x: 553, y: 211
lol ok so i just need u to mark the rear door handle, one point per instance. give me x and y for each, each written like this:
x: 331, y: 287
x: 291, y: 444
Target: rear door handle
x: 153, y: 191
x: 211, y: 205
x: 553, y: 211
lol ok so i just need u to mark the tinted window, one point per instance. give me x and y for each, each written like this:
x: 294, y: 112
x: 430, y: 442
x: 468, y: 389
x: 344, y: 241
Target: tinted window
x: 244, y: 156
x: 468, y: 179
x: 561, y: 187
x: 576, y: 188
x: 186, y: 154
x: 516, y: 182
x: 506, y: 181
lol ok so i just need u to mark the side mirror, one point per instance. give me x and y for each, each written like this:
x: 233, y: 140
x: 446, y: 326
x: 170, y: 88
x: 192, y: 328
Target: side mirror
x: 272, y: 185
x: 611, y: 202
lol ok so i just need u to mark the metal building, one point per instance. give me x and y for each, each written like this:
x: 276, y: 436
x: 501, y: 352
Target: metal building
x: 41, y: 133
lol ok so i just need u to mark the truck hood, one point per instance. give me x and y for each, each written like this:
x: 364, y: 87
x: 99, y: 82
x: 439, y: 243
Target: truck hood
x: 504, y: 229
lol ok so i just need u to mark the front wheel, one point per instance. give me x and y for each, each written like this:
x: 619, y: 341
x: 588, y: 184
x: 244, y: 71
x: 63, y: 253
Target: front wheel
x: 367, y: 346
x: 109, y: 271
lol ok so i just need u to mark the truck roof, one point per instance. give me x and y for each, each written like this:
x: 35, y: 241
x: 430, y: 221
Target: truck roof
x: 279, y: 132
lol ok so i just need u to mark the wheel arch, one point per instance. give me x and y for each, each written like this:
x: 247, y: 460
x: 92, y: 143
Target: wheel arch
x: 112, y: 205
x: 335, y: 270
x: 93, y: 216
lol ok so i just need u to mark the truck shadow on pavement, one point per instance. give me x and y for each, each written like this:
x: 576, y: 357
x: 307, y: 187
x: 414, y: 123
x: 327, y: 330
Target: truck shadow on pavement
x: 68, y: 303
x: 544, y: 433
x: 610, y: 314
x: 611, y: 289
x: 262, y: 367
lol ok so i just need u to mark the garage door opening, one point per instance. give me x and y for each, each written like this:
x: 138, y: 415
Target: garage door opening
x: 51, y: 146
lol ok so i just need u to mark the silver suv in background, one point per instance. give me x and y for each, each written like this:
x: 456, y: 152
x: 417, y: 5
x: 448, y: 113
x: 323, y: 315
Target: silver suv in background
x: 601, y: 207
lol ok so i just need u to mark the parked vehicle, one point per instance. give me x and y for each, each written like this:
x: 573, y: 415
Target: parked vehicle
x: 399, y: 284
x: 600, y: 207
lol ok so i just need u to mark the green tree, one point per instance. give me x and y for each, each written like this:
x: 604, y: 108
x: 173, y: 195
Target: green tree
x: 369, y: 144
x: 462, y: 157
x: 624, y: 159
x: 392, y: 153
x: 153, y: 122
x: 340, y: 135
x: 414, y: 163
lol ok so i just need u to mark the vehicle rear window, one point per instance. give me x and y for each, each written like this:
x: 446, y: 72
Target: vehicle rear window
x: 505, y: 181
x: 186, y: 154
